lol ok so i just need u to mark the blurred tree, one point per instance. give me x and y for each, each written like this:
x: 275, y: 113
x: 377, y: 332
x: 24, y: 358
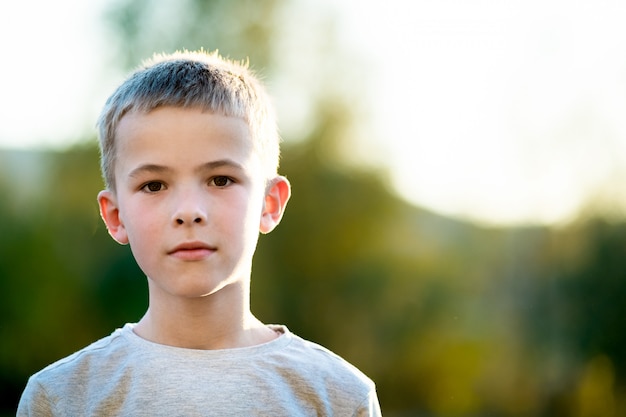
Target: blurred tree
x: 594, y: 296
x: 580, y: 312
x: 239, y: 29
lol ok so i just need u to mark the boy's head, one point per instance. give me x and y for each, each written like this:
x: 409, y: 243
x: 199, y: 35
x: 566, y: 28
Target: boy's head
x: 189, y: 154
x: 192, y: 80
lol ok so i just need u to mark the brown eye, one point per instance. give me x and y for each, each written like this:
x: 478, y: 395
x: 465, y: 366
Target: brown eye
x: 221, y: 181
x: 153, y: 186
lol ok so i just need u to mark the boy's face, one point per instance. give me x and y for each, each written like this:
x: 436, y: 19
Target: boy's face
x: 190, y: 199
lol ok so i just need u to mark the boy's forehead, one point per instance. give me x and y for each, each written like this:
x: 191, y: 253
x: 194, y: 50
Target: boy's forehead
x: 171, y: 131
x: 139, y: 120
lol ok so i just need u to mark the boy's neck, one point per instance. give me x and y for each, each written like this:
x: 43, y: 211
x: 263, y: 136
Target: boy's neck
x: 219, y: 321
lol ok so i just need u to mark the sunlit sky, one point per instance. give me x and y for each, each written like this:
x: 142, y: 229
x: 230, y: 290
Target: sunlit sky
x: 497, y: 111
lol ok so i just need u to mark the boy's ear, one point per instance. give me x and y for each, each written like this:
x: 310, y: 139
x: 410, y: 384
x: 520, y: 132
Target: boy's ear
x: 276, y: 196
x: 110, y: 213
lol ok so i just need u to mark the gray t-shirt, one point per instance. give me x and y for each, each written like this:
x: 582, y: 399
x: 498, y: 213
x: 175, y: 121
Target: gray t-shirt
x: 125, y: 375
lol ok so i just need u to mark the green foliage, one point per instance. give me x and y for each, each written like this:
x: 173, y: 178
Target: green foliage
x: 238, y: 29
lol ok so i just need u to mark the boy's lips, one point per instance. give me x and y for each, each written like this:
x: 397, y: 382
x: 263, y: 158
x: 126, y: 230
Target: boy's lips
x: 192, y: 251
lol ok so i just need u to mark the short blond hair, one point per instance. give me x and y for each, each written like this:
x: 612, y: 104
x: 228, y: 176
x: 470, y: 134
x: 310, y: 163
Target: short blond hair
x: 192, y: 80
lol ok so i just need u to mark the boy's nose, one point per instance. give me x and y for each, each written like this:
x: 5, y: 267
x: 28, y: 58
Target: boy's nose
x: 189, y: 210
x: 182, y: 221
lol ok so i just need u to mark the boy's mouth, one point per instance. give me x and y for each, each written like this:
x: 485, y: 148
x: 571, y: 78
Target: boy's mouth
x: 192, y: 251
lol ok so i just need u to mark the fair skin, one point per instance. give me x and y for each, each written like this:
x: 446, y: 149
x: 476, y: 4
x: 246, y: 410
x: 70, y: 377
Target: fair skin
x: 191, y: 199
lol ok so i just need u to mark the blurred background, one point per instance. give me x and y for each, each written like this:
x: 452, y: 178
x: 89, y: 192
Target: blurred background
x: 458, y: 223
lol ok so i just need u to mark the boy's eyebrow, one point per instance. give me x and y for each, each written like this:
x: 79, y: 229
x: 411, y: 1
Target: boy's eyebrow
x: 220, y: 163
x: 149, y: 168
x: 160, y: 169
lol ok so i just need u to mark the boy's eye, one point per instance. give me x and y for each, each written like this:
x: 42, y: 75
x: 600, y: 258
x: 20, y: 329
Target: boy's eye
x: 153, y: 186
x: 221, y: 181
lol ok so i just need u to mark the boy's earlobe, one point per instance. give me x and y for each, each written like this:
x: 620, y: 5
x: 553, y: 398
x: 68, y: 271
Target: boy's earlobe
x: 110, y: 213
x: 276, y: 197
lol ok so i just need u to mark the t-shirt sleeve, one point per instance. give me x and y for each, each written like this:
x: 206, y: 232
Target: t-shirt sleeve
x: 34, y: 401
x: 370, y: 407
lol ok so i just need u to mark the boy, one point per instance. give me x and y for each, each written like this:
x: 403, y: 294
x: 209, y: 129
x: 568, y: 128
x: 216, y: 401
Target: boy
x: 190, y: 153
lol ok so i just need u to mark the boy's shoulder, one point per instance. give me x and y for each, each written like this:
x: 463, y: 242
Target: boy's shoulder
x: 86, y: 359
x: 319, y: 360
